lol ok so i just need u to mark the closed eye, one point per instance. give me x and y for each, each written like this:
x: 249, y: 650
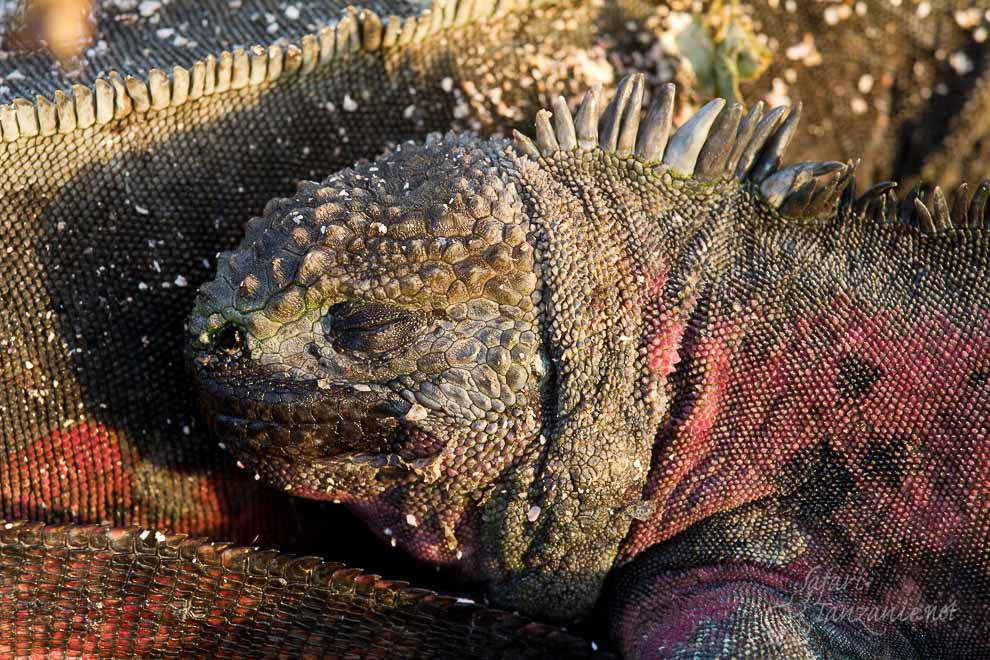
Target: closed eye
x: 372, y: 327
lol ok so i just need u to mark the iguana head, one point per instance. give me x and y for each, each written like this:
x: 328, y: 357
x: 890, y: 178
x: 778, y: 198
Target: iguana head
x: 476, y: 335
x: 379, y: 327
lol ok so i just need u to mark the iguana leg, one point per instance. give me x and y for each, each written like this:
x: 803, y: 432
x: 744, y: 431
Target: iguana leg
x: 738, y: 610
x: 740, y: 585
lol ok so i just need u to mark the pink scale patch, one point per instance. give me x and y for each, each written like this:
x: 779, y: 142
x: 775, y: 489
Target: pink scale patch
x: 78, y: 472
x: 902, y: 405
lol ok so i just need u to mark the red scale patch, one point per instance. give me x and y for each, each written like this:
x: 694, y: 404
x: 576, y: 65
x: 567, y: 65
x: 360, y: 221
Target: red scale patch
x: 79, y: 472
x: 905, y: 413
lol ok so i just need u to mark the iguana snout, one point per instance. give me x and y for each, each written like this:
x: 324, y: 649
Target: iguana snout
x: 377, y: 328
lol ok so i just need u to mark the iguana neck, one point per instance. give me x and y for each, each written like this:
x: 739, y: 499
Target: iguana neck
x: 663, y: 229
x: 619, y: 253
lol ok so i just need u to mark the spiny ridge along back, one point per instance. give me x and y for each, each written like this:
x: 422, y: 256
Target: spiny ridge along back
x: 721, y: 139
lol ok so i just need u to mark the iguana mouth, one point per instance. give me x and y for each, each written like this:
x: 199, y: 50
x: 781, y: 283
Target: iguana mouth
x: 297, y: 421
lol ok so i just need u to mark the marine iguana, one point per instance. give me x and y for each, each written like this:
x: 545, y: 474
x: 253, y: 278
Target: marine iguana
x: 537, y: 362
x: 117, y: 194
x: 77, y: 390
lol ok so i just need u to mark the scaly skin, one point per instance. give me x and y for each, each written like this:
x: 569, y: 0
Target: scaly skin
x: 126, y: 593
x: 538, y: 365
x: 138, y: 207
x: 118, y: 223
x: 95, y: 407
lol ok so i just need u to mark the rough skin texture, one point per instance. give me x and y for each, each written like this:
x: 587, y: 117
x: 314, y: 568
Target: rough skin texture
x: 740, y: 405
x: 380, y: 344
x: 112, y: 228
x: 165, y: 595
x: 117, y: 224
x: 96, y: 417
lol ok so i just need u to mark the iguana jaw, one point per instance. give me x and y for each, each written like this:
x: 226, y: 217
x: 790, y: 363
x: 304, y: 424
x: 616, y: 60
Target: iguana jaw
x: 320, y: 442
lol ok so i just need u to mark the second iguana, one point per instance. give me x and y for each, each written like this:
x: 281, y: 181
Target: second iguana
x: 738, y: 408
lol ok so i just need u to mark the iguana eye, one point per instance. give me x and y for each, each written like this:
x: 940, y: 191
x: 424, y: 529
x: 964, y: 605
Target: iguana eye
x: 372, y: 327
x: 229, y: 339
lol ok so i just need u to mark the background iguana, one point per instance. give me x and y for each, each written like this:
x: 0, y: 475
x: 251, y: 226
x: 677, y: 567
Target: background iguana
x: 79, y: 337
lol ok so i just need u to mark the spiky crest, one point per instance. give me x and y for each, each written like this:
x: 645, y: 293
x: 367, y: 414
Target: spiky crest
x: 926, y: 208
x: 719, y: 141
x: 114, y: 96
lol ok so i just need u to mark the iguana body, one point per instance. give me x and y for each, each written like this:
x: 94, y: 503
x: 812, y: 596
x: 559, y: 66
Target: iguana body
x: 127, y: 593
x: 80, y: 331
x: 732, y: 394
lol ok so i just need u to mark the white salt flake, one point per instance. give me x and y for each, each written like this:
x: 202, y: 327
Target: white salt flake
x: 805, y: 51
x: 411, y: 520
x: 961, y: 62
x: 149, y: 7
x: 350, y: 105
x: 416, y: 413
x: 967, y: 18
x: 533, y: 513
